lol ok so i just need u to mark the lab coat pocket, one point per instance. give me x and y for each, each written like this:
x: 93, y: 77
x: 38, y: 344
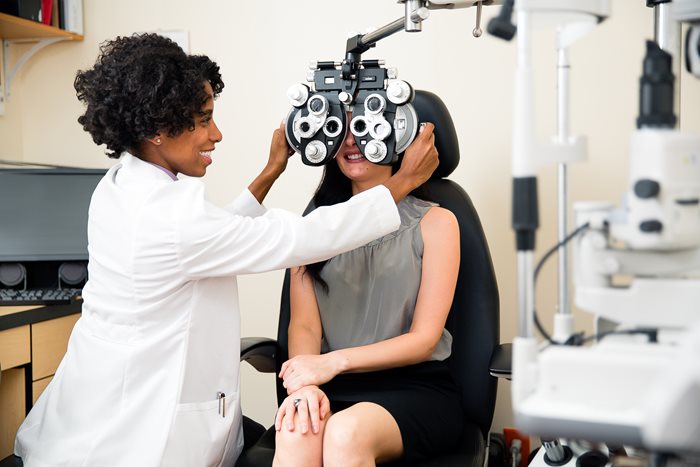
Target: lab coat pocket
x: 200, y: 430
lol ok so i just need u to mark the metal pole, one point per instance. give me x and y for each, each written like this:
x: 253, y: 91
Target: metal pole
x: 667, y: 34
x: 524, y: 209
x: 563, y: 195
x: 526, y: 321
x: 385, y: 31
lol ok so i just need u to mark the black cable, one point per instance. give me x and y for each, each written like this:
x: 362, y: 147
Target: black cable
x: 651, y: 333
x: 540, y: 263
x: 556, y: 247
x: 579, y: 338
x: 540, y: 328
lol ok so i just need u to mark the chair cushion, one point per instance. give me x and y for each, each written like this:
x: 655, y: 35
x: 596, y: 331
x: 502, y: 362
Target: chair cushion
x: 473, y: 320
x: 261, y: 453
x: 430, y: 108
x: 252, y: 431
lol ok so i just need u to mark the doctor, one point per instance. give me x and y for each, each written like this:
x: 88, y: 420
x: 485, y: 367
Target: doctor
x: 151, y: 375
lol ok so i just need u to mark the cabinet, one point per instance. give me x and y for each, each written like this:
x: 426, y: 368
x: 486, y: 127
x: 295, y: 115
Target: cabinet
x: 31, y: 347
x: 19, y: 30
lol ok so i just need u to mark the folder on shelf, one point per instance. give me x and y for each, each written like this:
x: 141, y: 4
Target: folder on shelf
x: 55, y: 14
x: 73, y: 16
x: 61, y: 15
x: 28, y: 9
x: 46, y: 11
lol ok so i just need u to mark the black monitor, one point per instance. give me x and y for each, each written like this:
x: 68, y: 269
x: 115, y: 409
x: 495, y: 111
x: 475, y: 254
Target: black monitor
x: 43, y: 215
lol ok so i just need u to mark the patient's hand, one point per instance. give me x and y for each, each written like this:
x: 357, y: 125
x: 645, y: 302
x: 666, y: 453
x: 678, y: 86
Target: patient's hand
x: 310, y: 403
x: 305, y: 370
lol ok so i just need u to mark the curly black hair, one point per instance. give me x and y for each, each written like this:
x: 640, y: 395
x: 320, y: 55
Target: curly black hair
x: 139, y: 86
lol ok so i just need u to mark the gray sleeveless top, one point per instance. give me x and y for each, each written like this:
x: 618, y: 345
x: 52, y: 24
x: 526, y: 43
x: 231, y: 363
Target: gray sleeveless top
x: 373, y: 289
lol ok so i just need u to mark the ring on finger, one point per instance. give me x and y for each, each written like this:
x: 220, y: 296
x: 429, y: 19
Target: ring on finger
x: 296, y: 402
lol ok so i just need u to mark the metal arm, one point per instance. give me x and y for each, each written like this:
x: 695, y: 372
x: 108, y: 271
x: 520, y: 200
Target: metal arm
x: 357, y: 45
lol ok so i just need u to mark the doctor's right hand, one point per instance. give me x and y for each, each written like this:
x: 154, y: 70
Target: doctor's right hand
x: 280, y: 152
x: 310, y: 403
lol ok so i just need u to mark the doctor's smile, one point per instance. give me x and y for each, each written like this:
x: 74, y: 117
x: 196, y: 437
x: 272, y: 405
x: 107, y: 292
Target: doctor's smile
x: 207, y: 155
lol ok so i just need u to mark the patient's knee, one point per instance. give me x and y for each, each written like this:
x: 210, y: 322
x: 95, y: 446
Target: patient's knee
x: 344, y: 435
x: 292, y: 448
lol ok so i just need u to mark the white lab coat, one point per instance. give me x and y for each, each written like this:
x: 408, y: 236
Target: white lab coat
x: 160, y: 329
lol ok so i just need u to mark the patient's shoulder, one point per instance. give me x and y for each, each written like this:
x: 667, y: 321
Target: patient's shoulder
x: 439, y: 223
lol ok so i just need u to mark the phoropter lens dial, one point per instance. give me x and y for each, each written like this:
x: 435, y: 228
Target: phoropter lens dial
x: 399, y: 92
x: 306, y: 126
x: 333, y: 127
x: 298, y: 94
x: 374, y: 104
x: 315, y: 151
x: 317, y: 105
x: 359, y: 126
x: 379, y: 128
x: 375, y: 151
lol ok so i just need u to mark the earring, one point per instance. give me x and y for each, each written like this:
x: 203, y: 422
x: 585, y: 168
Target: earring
x: 157, y: 140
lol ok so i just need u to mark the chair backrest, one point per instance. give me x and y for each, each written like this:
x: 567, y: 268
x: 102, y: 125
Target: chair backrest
x: 474, y: 318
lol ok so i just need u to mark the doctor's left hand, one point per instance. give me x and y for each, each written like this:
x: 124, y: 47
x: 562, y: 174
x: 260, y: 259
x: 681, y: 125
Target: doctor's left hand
x: 305, y: 370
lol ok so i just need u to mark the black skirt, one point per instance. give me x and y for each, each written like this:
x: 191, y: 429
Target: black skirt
x: 422, y: 398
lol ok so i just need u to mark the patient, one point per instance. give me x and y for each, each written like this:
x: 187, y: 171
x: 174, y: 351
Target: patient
x: 367, y: 379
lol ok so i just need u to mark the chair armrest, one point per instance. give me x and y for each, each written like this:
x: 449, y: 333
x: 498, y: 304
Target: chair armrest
x: 501, y: 361
x: 260, y: 352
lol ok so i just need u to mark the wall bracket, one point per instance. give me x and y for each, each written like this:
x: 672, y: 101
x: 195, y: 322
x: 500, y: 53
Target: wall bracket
x: 9, y: 72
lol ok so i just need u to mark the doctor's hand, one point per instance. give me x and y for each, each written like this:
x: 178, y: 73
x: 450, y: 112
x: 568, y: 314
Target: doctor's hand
x: 280, y: 152
x: 310, y: 403
x: 419, y: 162
x: 305, y: 370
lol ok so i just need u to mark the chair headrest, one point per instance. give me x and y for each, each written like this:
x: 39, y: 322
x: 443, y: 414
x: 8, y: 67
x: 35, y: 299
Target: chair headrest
x: 430, y: 108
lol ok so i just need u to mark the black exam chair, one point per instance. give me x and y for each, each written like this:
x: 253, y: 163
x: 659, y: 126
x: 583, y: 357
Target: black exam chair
x: 11, y: 461
x: 473, y: 319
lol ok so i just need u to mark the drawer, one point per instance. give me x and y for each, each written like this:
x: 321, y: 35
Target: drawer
x: 12, y: 408
x: 14, y: 347
x: 49, y: 344
x: 38, y: 387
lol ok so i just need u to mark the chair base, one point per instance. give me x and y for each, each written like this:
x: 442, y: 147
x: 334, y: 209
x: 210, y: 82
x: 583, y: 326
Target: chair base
x: 11, y: 461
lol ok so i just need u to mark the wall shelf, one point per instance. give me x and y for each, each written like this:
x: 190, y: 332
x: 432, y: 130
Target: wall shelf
x: 14, y: 30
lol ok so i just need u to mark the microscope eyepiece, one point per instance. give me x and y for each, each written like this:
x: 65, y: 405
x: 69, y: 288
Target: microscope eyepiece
x: 656, y: 89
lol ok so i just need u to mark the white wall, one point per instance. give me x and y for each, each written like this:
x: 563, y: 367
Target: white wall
x: 263, y: 47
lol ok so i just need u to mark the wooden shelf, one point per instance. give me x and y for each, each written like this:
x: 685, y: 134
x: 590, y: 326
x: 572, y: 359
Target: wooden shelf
x: 14, y: 28
x: 19, y: 30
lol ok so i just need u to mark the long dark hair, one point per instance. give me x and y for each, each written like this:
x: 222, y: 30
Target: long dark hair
x: 336, y: 188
